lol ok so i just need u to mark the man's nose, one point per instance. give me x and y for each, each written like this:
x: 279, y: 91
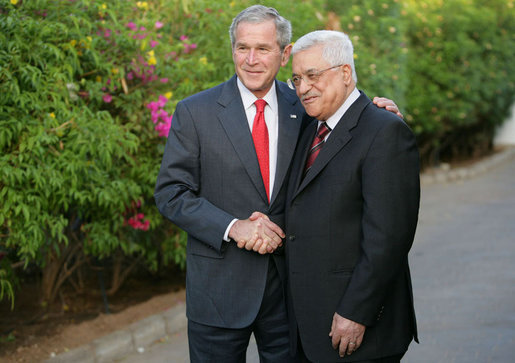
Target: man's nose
x: 303, y: 87
x: 252, y: 56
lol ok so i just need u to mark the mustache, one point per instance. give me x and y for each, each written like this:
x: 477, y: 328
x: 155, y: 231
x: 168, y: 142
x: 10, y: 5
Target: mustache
x: 308, y: 95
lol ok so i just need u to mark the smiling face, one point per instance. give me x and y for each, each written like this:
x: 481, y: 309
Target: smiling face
x: 322, y: 98
x: 257, y: 56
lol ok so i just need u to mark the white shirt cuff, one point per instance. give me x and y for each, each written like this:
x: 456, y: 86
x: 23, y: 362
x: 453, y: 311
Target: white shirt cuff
x: 226, y: 234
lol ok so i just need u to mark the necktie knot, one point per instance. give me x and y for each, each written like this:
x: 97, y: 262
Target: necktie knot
x: 260, y: 105
x: 323, y: 130
x: 316, y: 145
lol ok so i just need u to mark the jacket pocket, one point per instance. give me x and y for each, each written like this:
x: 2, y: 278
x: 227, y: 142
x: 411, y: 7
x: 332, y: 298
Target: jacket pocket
x: 343, y: 270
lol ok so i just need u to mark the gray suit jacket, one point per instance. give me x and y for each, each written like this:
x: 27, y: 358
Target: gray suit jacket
x: 350, y: 223
x: 209, y: 176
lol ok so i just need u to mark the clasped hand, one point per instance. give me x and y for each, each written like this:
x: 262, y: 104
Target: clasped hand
x: 257, y: 233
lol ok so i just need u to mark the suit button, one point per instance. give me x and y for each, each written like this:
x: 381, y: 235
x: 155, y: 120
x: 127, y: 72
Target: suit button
x: 291, y: 237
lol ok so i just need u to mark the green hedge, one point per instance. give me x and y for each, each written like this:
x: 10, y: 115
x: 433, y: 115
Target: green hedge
x: 448, y: 64
x: 87, y: 92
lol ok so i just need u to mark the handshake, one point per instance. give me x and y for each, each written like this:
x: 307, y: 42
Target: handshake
x: 257, y: 233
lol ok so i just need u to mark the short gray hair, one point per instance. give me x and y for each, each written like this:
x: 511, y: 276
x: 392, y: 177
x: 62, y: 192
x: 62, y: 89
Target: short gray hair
x: 337, y: 50
x: 261, y: 14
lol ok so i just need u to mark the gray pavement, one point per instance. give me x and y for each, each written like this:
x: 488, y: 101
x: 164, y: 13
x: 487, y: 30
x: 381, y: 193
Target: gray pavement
x: 463, y: 270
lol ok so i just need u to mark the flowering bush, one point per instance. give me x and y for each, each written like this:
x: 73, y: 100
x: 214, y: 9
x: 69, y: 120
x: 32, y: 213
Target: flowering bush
x: 87, y: 93
x: 78, y: 143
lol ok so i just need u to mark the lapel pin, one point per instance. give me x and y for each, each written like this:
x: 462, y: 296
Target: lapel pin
x: 293, y: 116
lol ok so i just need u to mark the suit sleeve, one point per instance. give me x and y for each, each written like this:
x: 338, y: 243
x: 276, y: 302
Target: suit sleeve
x: 178, y: 184
x: 391, y: 193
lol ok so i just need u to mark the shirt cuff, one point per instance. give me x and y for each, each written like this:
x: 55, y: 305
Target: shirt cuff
x: 226, y: 234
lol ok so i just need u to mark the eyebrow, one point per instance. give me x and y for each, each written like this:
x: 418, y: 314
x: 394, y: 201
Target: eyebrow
x: 260, y: 45
x: 311, y: 70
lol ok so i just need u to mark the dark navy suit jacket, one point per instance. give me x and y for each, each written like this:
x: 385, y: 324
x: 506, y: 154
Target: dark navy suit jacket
x: 210, y: 175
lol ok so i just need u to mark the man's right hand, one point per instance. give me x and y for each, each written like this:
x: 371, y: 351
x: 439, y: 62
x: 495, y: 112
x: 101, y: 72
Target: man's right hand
x: 257, y: 233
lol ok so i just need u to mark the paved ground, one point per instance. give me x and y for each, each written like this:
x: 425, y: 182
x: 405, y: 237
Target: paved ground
x: 463, y: 267
x: 463, y: 264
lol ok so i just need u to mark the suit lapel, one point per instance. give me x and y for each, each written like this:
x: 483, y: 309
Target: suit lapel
x: 290, y: 119
x: 303, y: 150
x: 337, y: 140
x: 234, y: 121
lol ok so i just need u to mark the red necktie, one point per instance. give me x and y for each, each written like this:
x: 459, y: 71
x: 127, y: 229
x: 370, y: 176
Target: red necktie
x: 260, y: 137
x: 316, y: 145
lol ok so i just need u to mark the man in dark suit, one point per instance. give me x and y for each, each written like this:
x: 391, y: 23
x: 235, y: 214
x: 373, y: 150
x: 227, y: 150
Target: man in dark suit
x: 351, y: 215
x: 212, y: 179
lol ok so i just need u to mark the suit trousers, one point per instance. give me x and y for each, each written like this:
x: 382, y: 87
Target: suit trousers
x: 270, y: 328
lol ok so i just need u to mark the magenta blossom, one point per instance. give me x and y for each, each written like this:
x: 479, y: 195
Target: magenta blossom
x: 153, y: 43
x: 107, y: 98
x: 131, y: 26
x: 162, y: 101
x: 160, y: 117
x: 163, y: 128
x: 137, y: 222
x: 188, y: 48
x: 158, y: 25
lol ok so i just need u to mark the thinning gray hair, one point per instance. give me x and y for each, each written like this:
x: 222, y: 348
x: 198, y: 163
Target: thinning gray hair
x: 260, y: 14
x: 337, y: 49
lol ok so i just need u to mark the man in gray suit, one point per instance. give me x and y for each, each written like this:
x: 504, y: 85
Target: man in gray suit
x: 213, y: 178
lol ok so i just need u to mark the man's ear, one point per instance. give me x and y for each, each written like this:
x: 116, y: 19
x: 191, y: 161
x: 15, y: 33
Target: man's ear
x: 286, y: 55
x: 347, y: 74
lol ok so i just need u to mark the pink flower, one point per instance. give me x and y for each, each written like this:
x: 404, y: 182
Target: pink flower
x: 131, y: 26
x: 163, y: 80
x: 163, y: 129
x: 158, y: 25
x: 189, y: 47
x: 136, y: 222
x: 162, y: 101
x: 162, y: 114
x: 153, y: 106
x: 145, y: 225
x: 130, y: 76
x: 183, y: 38
x: 153, y: 43
x: 107, y: 98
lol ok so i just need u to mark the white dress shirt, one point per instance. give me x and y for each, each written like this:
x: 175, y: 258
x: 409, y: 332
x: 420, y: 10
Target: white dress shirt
x: 335, y: 118
x: 272, y: 124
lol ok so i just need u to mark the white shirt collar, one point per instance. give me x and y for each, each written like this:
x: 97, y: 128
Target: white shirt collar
x: 248, y: 98
x: 333, y: 120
